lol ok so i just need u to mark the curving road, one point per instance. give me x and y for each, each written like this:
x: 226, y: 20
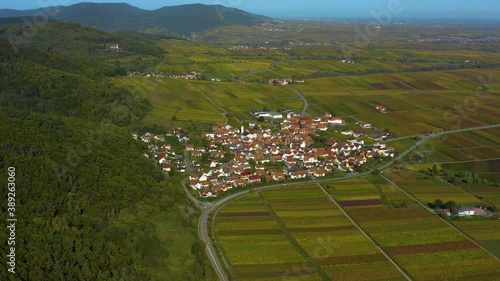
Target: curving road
x: 209, y: 208
x: 306, y: 103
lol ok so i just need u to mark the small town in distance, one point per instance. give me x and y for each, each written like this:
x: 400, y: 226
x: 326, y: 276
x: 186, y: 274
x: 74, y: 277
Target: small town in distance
x: 289, y: 150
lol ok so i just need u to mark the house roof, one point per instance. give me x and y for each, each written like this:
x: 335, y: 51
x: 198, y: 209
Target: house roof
x: 254, y: 177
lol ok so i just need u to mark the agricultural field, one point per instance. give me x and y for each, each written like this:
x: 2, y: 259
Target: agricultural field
x: 401, y: 145
x: 468, y: 147
x: 313, y: 226
x: 176, y: 101
x: 318, y: 233
x: 354, y: 190
x: 269, y: 255
x: 484, y: 231
x: 488, y: 194
x: 417, y: 102
x: 422, y: 244
x: 239, y: 99
x: 428, y: 190
x: 214, y: 62
x: 327, y: 236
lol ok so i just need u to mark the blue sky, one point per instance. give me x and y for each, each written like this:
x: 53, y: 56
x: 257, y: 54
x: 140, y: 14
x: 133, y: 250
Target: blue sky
x: 312, y: 8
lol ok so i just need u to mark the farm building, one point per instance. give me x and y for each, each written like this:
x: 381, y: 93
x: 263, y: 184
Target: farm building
x: 268, y: 114
x: 463, y: 211
x: 381, y: 108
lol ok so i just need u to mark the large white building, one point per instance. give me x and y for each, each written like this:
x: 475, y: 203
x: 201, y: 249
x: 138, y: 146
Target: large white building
x: 463, y: 211
x: 268, y: 114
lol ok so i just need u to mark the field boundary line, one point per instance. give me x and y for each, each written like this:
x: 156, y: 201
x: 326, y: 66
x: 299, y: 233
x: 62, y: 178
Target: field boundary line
x: 224, y: 112
x: 432, y: 212
x: 364, y: 233
x: 313, y: 265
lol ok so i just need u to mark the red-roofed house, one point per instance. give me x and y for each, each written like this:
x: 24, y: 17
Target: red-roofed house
x: 254, y: 179
x: 381, y: 108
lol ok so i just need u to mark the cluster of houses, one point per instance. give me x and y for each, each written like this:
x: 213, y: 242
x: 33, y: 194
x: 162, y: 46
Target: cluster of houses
x: 249, y: 48
x: 348, y: 61
x: 284, y: 81
x: 245, y: 156
x: 147, y: 74
x: 162, y: 152
x: 188, y: 75
x: 265, y: 155
x: 240, y: 48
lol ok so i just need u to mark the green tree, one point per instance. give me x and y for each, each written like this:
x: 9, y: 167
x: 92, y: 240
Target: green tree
x: 438, y: 204
x: 450, y: 204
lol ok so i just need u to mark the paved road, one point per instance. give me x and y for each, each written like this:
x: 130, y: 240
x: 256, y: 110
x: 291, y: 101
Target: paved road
x: 209, y: 208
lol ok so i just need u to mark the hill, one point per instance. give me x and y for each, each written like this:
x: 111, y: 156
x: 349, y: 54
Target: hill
x: 37, y: 81
x: 184, y: 19
x: 88, y: 199
x: 78, y: 41
x: 10, y: 13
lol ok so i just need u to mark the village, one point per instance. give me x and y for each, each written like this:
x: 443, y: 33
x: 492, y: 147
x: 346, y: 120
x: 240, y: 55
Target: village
x: 239, y: 157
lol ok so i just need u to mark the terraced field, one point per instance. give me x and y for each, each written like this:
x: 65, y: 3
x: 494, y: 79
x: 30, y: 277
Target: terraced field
x: 463, y: 147
x: 428, y: 190
x: 176, y: 101
x: 417, y: 102
x: 321, y: 242
x: 254, y: 243
x: 327, y: 236
x: 422, y: 244
x: 484, y: 231
x: 488, y: 194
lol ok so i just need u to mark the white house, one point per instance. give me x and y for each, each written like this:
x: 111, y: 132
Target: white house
x: 335, y: 121
x: 463, y: 211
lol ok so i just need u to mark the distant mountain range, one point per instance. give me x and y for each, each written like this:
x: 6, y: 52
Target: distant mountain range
x: 184, y: 19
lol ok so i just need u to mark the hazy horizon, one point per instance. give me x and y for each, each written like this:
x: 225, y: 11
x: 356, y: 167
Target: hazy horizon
x: 445, y: 9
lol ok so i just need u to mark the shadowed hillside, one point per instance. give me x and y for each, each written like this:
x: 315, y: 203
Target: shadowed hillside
x: 183, y: 19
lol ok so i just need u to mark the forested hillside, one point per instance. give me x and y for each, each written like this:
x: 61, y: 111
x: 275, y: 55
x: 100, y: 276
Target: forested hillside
x: 31, y: 80
x: 75, y: 41
x: 86, y: 196
x: 183, y: 19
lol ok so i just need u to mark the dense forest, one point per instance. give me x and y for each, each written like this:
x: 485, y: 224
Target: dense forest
x: 85, y: 193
